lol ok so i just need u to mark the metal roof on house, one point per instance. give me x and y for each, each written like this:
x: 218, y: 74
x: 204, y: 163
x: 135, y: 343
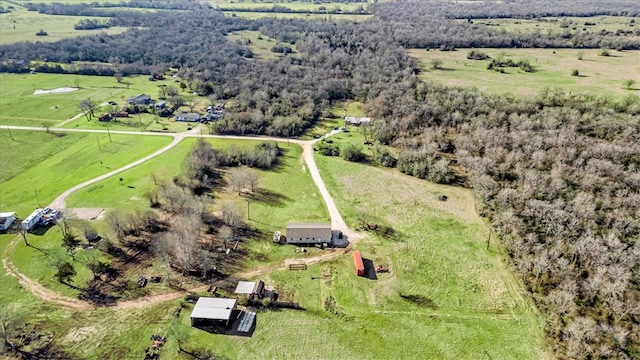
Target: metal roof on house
x: 309, y: 230
x: 213, y: 308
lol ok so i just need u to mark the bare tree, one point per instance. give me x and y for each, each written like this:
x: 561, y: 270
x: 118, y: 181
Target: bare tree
x: 231, y: 215
x: 237, y: 178
x: 88, y: 108
x: 192, y: 102
x: 225, y: 233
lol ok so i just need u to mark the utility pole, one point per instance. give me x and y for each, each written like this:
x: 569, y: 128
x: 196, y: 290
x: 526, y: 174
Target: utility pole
x: 248, y: 213
x: 10, y: 135
x: 489, y: 238
x: 98, y: 138
x: 37, y: 197
x: 109, y: 132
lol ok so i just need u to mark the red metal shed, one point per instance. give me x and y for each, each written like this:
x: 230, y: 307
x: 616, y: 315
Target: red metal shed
x: 357, y: 260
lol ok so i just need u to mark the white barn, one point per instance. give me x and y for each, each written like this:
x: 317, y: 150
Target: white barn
x: 6, y: 219
x: 216, y: 310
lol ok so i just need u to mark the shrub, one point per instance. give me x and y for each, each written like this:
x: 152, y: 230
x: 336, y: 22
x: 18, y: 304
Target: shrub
x: 477, y: 55
x: 354, y: 153
x: 575, y: 72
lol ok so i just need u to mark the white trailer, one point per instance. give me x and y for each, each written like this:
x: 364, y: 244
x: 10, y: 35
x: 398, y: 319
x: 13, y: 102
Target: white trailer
x: 32, y: 219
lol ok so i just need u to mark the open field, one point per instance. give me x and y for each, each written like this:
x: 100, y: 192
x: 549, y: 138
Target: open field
x: 22, y: 25
x: 327, y: 17
x: 260, y: 44
x: 51, y: 163
x: 561, y: 25
x: 18, y: 99
x: 295, y: 6
x: 600, y: 75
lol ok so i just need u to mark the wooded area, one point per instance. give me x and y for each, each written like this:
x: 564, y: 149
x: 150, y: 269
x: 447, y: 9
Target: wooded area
x: 557, y: 176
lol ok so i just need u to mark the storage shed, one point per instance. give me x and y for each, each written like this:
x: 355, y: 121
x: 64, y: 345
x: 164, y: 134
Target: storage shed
x: 213, y: 310
x: 357, y: 261
x: 308, y: 233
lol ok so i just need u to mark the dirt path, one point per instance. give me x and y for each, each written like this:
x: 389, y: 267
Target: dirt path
x: 37, y: 289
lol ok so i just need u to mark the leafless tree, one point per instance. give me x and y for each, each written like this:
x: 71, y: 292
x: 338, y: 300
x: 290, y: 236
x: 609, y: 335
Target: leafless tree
x: 88, y: 108
x: 237, y: 179
x: 231, y: 215
x: 225, y: 233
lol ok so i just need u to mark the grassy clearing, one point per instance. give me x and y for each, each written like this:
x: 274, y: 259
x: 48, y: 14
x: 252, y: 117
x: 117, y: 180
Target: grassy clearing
x: 295, y: 6
x: 561, y: 25
x: 322, y: 17
x: 51, y: 163
x: 260, y: 44
x: 21, y: 107
x: 22, y: 25
x: 600, y: 75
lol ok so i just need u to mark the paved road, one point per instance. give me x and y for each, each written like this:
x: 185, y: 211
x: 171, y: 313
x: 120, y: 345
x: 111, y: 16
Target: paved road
x: 337, y: 222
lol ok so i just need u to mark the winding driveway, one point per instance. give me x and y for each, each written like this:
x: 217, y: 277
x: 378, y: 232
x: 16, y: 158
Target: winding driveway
x: 337, y: 222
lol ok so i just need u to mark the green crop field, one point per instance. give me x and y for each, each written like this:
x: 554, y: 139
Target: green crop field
x: 600, y: 75
x: 22, y: 25
x: 50, y: 163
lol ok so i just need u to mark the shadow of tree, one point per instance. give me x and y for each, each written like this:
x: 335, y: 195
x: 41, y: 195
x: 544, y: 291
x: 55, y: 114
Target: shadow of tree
x: 269, y: 197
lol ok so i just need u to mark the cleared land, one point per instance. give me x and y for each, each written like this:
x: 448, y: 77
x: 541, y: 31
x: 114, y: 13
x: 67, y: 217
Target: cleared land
x: 563, y: 25
x: 18, y: 100
x: 600, y: 75
x: 260, y: 44
x: 22, y: 25
x: 53, y: 162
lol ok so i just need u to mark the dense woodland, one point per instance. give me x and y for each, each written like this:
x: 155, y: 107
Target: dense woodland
x: 557, y: 176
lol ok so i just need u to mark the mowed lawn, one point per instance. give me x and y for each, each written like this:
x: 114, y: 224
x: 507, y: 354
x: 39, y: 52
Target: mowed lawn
x: 51, y: 163
x: 20, y: 106
x: 600, y: 75
x: 22, y: 25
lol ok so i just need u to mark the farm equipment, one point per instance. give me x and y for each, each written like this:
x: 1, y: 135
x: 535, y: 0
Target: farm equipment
x: 382, y: 269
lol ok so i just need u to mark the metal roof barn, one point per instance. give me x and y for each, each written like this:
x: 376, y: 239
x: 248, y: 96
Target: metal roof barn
x: 308, y: 233
x: 219, y: 309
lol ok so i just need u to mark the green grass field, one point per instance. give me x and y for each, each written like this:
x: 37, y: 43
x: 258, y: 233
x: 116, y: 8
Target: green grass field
x: 296, y: 6
x: 560, y: 25
x: 600, y: 75
x: 53, y: 162
x: 22, y: 25
x: 260, y: 44
x: 21, y: 107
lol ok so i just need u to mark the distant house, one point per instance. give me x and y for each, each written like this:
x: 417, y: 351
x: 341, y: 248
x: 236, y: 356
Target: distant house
x: 142, y: 99
x: 356, y: 121
x: 213, y: 311
x: 308, y: 233
x: 190, y: 117
x: 160, y: 104
x: 105, y: 117
x: 6, y: 219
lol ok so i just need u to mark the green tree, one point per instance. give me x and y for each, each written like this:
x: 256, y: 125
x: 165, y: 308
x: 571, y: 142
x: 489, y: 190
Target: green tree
x: 629, y: 84
x: 65, y: 273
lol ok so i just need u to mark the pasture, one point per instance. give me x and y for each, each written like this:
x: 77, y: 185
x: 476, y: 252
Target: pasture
x: 22, y: 25
x: 599, y: 75
x: 50, y: 163
x: 459, y: 299
x: 284, y: 15
x: 260, y: 44
x: 20, y: 106
x: 294, y: 6
x: 562, y: 25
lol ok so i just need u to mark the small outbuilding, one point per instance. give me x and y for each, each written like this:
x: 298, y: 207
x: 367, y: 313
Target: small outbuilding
x: 254, y: 289
x: 309, y: 233
x: 213, y: 311
x: 358, y: 263
x: 6, y: 219
x: 142, y: 99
